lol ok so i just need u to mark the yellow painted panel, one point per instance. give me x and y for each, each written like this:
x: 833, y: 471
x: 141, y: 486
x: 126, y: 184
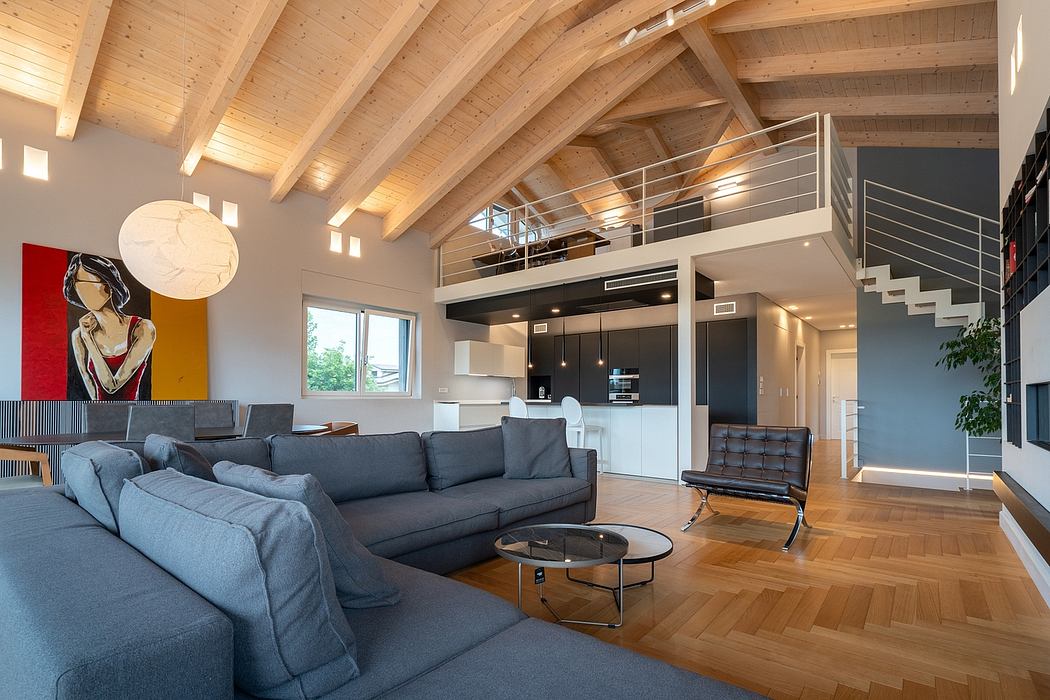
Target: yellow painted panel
x: 180, y: 354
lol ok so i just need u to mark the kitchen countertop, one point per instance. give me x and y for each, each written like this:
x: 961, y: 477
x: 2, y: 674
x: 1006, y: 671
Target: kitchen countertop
x: 541, y: 402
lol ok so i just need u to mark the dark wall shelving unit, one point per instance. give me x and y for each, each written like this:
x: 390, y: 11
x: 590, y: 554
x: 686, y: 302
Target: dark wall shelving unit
x: 1026, y: 251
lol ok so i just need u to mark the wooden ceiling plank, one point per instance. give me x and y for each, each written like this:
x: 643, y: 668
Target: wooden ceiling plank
x: 457, y: 79
x: 609, y: 170
x: 679, y: 101
x: 892, y: 60
x: 603, y: 95
x: 539, y: 85
x: 952, y: 104
x: 717, y: 57
x: 241, y: 55
x: 750, y: 15
x: 90, y: 27
x: 920, y: 139
x: 387, y: 44
x: 715, y: 132
x: 526, y: 199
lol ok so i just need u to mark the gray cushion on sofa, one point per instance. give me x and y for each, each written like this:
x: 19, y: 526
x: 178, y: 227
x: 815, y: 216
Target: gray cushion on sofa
x: 94, y: 473
x: 359, y: 583
x: 354, y: 466
x: 436, y: 619
x: 86, y: 617
x: 458, y: 456
x: 537, y: 659
x: 404, y: 522
x: 535, y: 448
x: 164, y: 452
x: 518, y: 499
x: 263, y: 562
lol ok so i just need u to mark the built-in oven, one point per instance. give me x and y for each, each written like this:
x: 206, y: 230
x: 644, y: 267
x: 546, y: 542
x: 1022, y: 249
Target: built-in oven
x: 623, y: 385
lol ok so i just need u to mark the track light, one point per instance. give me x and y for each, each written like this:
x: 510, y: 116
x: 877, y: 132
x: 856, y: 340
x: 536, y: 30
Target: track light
x: 630, y: 36
x: 670, y: 17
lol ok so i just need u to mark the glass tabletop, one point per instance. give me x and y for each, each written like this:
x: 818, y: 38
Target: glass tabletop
x: 644, y: 545
x: 561, y: 546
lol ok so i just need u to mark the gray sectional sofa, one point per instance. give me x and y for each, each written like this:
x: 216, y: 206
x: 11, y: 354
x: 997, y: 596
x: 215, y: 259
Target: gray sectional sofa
x: 83, y: 614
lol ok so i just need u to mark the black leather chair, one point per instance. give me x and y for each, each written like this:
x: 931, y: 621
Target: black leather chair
x: 759, y: 463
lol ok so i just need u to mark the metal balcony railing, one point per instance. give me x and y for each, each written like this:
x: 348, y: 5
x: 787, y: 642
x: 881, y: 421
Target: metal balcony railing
x: 716, y: 186
x: 849, y: 437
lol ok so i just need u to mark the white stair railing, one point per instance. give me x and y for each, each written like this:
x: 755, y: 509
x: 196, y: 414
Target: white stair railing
x: 849, y: 434
x: 971, y: 456
x: 946, y: 240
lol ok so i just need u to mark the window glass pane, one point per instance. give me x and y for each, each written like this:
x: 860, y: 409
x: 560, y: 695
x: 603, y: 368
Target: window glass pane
x: 479, y: 220
x: 331, y: 350
x: 388, y: 353
x: 500, y: 221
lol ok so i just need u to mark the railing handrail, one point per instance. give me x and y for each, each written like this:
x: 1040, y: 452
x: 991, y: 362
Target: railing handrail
x: 934, y: 202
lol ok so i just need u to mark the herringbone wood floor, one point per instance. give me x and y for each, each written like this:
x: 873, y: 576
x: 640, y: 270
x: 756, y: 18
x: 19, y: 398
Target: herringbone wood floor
x: 894, y: 593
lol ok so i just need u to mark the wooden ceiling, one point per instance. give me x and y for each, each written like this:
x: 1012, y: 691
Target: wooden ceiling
x: 424, y: 111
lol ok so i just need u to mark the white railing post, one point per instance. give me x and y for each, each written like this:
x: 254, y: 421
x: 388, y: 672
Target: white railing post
x: 644, y: 232
x: 843, y: 437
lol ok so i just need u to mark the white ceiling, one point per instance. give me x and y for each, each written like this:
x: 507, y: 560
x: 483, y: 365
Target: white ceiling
x: 790, y: 274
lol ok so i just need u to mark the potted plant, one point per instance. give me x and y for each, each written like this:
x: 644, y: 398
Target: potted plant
x: 980, y: 411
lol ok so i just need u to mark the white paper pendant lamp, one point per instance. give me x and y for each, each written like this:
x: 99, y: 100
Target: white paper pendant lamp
x: 178, y: 249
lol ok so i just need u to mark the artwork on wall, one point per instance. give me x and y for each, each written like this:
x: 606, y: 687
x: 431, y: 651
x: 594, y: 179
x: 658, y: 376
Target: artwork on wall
x: 91, y: 331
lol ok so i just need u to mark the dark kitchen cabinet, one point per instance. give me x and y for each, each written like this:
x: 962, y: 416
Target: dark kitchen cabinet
x: 623, y: 349
x: 731, y: 372
x: 594, y: 378
x: 654, y: 365
x: 542, y: 372
x: 566, y: 367
x: 701, y: 363
x: 679, y: 219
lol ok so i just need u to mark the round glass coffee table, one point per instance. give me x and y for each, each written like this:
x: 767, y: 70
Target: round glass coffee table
x: 644, y: 546
x: 564, y: 547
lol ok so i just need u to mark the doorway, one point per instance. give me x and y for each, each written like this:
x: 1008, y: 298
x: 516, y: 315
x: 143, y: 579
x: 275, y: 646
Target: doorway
x: 800, y: 385
x: 841, y: 385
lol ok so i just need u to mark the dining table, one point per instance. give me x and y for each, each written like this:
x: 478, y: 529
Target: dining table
x: 201, y: 434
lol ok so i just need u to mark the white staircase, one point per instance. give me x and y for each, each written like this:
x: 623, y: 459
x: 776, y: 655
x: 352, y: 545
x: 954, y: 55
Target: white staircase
x: 950, y: 245
x: 905, y: 290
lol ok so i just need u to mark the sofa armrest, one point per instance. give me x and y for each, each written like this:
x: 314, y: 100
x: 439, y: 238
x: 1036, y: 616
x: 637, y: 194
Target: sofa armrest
x: 584, y: 464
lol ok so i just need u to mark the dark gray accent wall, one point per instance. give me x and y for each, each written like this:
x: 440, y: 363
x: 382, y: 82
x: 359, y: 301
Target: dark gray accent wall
x: 909, y: 403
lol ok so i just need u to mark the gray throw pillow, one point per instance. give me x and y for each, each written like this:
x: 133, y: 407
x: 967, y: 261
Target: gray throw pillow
x: 458, y: 456
x: 94, y: 473
x: 535, y: 448
x: 164, y: 452
x: 359, y: 582
x: 263, y: 563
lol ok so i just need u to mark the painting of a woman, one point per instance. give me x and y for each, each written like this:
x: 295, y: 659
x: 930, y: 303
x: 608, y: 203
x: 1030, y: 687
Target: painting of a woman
x: 111, y: 348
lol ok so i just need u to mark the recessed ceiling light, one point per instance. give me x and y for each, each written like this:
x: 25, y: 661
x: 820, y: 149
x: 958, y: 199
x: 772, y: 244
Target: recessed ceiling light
x: 515, y: 315
x: 665, y: 295
x: 555, y: 310
x: 842, y: 325
x: 853, y: 325
x: 806, y: 244
x: 793, y: 307
x: 808, y: 318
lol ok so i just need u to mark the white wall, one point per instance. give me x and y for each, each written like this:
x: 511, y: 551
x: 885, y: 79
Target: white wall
x: 255, y: 324
x: 779, y: 332
x: 1021, y: 113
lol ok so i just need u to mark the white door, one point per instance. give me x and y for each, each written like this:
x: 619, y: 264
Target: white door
x: 842, y: 384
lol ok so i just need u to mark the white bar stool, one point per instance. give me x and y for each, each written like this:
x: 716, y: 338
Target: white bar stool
x: 574, y: 425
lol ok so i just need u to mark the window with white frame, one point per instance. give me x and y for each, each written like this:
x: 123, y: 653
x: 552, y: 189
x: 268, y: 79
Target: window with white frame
x: 351, y: 350
x: 495, y: 219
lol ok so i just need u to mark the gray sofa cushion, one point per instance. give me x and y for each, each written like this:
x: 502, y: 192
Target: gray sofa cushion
x: 262, y: 561
x: 253, y: 451
x: 404, y: 522
x: 436, y: 619
x: 456, y: 457
x: 354, y: 466
x: 86, y: 617
x: 537, y: 659
x: 164, y: 452
x: 359, y: 583
x: 94, y: 473
x: 518, y: 499
x: 535, y: 448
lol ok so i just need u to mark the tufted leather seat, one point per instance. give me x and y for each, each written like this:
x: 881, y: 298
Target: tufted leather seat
x: 756, y: 462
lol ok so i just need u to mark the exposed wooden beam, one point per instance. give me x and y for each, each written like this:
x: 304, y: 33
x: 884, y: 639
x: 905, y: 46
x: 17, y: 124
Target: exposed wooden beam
x: 539, y: 85
x: 584, y: 142
x: 492, y: 12
x: 458, y: 78
x: 366, y: 71
x: 605, y: 165
x: 602, y: 91
x: 526, y: 198
x: 973, y: 53
x: 240, y: 56
x: 749, y: 15
x: 639, y: 108
x: 569, y: 187
x: 717, y: 57
x: 715, y: 132
x: 952, y: 104
x: 617, y: 49
x: 920, y: 139
x: 91, y: 25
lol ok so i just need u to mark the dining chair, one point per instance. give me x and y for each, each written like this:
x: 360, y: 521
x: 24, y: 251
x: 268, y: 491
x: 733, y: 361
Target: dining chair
x: 575, y: 425
x: 106, y: 416
x: 214, y: 414
x: 518, y: 408
x: 265, y: 419
x: 340, y: 427
x: 172, y: 421
x: 39, y: 466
